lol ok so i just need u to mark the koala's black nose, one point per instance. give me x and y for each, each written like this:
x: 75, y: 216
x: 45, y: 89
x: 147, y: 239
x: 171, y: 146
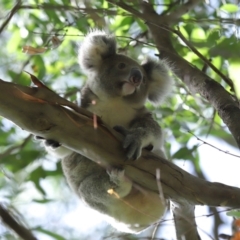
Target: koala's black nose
x: 136, y: 76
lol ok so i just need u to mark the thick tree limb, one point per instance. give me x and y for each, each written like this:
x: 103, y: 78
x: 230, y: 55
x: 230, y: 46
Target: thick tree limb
x: 39, y: 111
x: 33, y: 110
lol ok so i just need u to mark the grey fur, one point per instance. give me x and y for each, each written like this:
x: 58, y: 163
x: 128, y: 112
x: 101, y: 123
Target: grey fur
x: 116, y: 90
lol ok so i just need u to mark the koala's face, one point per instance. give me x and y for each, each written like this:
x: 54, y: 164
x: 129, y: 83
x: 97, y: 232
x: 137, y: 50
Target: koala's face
x: 121, y: 76
x: 114, y: 75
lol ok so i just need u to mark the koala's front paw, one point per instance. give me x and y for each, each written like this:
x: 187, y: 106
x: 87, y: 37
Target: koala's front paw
x: 49, y: 142
x: 132, y: 142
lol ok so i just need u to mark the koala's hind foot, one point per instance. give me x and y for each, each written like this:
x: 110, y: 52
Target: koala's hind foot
x: 124, y: 185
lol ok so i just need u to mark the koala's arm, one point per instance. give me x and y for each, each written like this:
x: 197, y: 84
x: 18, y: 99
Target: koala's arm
x: 143, y: 132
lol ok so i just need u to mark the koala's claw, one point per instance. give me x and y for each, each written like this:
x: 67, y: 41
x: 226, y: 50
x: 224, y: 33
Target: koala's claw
x: 52, y: 143
x: 131, y: 143
x: 39, y: 138
x: 49, y: 142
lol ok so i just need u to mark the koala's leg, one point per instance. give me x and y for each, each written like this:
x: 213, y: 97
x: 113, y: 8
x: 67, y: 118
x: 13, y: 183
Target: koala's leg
x: 93, y: 183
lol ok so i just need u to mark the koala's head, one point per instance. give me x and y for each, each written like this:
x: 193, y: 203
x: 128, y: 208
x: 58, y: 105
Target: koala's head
x: 117, y: 75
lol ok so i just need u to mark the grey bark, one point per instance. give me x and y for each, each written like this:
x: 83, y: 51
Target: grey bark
x: 34, y: 110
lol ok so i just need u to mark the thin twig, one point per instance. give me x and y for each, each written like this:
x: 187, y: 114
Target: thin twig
x: 13, y: 148
x: 13, y: 11
x: 209, y: 144
x: 126, y: 7
x: 181, y: 10
x: 225, y: 78
x: 68, y: 7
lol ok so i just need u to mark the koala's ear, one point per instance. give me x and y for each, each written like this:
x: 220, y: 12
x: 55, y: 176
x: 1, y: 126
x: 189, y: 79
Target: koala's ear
x: 96, y: 46
x: 158, y: 80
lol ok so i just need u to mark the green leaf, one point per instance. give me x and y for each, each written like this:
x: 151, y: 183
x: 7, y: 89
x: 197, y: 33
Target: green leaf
x: 18, y: 161
x: 198, y: 34
x: 231, y: 8
x: 49, y: 233
x: 234, y: 213
x: 35, y: 176
x: 183, y: 153
x: 42, y: 201
x: 39, y: 66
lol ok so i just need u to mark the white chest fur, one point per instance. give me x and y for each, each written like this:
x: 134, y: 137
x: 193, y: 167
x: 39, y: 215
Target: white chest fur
x: 113, y: 111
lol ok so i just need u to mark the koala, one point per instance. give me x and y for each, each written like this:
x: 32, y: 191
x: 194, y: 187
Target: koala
x: 116, y: 90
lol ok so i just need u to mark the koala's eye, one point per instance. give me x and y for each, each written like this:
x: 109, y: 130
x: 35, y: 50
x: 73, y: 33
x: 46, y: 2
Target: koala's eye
x: 121, y: 65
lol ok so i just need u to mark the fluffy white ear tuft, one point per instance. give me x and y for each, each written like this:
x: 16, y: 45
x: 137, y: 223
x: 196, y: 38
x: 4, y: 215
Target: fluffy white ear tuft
x: 160, y: 83
x: 96, y: 46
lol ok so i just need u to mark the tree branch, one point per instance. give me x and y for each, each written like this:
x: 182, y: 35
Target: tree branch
x: 12, y: 149
x: 9, y: 220
x: 225, y: 78
x: 34, y: 110
x: 174, y: 16
x: 184, y: 219
x: 68, y: 8
x: 126, y: 7
x: 13, y: 11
